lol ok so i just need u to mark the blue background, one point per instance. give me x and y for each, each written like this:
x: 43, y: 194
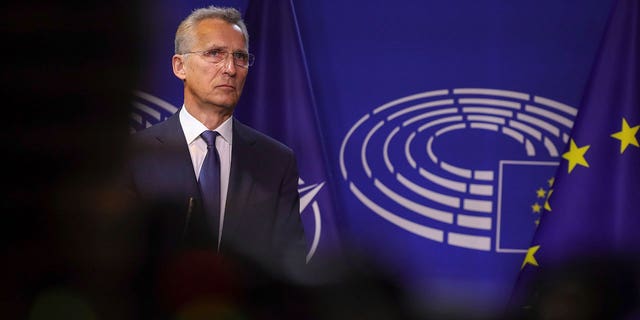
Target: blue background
x: 363, y: 54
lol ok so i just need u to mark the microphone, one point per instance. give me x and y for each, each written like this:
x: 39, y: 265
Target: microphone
x: 187, y: 219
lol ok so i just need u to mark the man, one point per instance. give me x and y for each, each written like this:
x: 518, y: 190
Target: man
x: 254, y: 211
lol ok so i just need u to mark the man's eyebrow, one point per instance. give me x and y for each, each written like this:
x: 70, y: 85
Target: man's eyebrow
x: 215, y: 46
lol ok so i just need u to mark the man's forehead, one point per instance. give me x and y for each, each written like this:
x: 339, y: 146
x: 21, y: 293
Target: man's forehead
x: 209, y: 30
x: 219, y: 21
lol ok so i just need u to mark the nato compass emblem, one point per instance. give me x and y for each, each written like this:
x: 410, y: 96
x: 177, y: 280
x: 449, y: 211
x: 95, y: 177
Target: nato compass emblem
x: 308, y: 202
x: 149, y: 110
x: 457, y: 166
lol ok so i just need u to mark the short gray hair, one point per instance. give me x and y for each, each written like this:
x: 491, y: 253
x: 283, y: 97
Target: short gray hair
x: 184, y: 34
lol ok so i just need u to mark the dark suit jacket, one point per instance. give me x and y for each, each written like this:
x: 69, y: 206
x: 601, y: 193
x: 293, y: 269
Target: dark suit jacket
x: 261, y: 221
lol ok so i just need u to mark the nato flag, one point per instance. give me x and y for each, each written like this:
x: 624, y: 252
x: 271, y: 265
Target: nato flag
x: 278, y: 100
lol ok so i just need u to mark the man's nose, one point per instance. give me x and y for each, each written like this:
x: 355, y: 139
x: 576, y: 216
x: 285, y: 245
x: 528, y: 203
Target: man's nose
x: 229, y: 65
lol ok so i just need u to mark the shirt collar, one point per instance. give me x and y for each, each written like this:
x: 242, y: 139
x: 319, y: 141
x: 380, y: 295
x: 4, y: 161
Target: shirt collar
x: 193, y: 128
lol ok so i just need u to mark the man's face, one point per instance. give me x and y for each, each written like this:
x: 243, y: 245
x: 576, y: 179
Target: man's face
x: 210, y: 83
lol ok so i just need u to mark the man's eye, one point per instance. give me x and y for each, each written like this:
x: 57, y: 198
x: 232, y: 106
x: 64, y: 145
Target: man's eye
x: 241, y: 56
x: 213, y: 53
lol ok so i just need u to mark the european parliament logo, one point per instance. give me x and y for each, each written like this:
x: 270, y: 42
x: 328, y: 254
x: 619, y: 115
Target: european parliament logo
x: 149, y: 110
x: 464, y: 167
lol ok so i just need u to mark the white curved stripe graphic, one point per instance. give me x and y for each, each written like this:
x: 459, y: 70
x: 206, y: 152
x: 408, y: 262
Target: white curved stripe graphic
x: 428, y: 194
x: 385, y: 148
x: 430, y: 114
x: 481, y: 189
x: 363, y: 151
x: 490, y: 102
x: 317, y: 232
x: 484, y: 126
x: 409, y: 98
x: 423, y: 231
x: 420, y: 106
x: 483, y: 175
x: 556, y: 105
x: 485, y: 110
x: 440, y: 121
x: 531, y: 150
x: 458, y: 126
x: 147, y: 110
x: 513, y: 134
x: 157, y: 101
x: 553, y: 151
x: 477, y: 205
x: 443, y: 182
x: 486, y: 119
x: 492, y: 92
x: 527, y: 129
x: 549, y: 115
x: 432, y: 155
x: 465, y: 173
x: 482, y: 223
x: 469, y: 241
x: 434, y: 214
x: 407, y: 150
x: 540, y: 123
x: 344, y: 143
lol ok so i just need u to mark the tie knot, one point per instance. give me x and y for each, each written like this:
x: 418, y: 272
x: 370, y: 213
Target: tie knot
x: 209, y: 137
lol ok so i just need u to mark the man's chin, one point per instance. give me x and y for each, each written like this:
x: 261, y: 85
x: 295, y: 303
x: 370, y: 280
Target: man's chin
x: 229, y: 104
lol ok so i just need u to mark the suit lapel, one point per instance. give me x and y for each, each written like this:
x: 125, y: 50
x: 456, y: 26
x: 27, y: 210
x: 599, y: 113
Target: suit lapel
x: 240, y: 179
x: 181, y: 168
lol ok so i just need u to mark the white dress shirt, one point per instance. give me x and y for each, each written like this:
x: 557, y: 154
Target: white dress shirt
x: 198, y: 149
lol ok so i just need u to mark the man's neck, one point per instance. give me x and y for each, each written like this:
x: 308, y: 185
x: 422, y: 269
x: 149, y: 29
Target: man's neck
x: 211, y: 116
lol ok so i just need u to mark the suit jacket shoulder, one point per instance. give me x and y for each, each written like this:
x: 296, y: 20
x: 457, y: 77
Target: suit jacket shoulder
x: 250, y: 135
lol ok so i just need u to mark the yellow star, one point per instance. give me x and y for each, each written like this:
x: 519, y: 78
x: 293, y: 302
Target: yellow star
x: 575, y: 155
x: 551, y: 181
x: 530, y: 257
x: 547, y: 206
x: 536, y: 208
x: 541, y: 193
x: 627, y: 135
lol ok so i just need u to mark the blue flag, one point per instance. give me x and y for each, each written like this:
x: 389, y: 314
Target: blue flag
x: 592, y: 211
x: 278, y: 100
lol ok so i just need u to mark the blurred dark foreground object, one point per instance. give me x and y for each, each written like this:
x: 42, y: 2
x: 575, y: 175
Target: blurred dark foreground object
x: 69, y: 69
x: 585, y: 289
x: 73, y: 247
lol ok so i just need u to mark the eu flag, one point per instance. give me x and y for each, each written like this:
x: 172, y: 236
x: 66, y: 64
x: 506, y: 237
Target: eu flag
x: 278, y: 100
x: 591, y: 222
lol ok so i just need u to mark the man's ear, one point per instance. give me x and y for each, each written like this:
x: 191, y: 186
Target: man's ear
x: 177, y: 62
